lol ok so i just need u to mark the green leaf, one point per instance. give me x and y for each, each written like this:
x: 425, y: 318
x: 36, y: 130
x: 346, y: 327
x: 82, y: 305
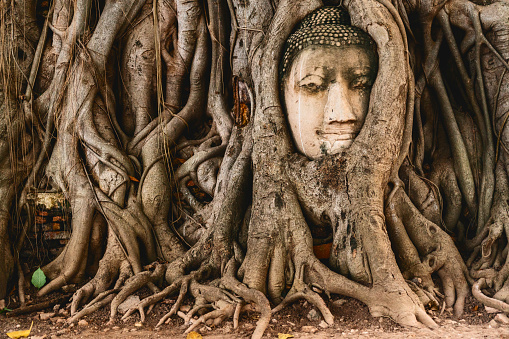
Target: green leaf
x: 5, y: 310
x: 38, y: 278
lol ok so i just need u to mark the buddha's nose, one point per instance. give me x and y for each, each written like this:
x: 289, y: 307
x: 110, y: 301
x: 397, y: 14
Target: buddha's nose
x: 338, y: 108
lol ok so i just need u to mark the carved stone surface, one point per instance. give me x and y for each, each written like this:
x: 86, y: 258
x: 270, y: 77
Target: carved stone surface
x: 328, y: 69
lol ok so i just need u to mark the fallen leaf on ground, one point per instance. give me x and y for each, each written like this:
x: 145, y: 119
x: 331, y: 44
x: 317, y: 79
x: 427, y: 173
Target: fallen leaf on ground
x: 284, y: 336
x: 20, y: 334
x: 194, y: 335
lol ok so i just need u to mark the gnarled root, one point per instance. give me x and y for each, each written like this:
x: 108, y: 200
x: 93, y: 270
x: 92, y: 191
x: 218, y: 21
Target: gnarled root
x: 437, y: 249
x: 112, y: 266
x: 226, y: 296
x: 135, y: 283
x: 300, y: 290
x: 493, y: 266
x: 491, y: 302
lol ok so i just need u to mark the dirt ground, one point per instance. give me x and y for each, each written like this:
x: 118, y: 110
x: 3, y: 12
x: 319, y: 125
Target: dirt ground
x: 352, y: 320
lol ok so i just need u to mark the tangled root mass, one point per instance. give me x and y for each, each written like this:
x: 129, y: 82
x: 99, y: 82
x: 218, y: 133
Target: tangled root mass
x: 161, y: 124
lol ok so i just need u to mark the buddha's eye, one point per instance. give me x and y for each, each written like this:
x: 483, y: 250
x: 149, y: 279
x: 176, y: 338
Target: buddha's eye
x: 312, y: 84
x: 312, y: 87
x: 362, y: 82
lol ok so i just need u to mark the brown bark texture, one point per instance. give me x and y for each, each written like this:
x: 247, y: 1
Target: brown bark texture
x: 161, y: 123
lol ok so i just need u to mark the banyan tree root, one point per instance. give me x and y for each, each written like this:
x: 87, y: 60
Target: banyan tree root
x: 492, y: 267
x: 211, y: 254
x: 136, y: 166
x: 435, y: 247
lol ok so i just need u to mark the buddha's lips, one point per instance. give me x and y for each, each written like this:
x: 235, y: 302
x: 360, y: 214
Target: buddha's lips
x: 339, y: 131
x: 339, y: 135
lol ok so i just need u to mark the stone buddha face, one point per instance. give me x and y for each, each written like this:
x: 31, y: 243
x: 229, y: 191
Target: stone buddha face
x: 327, y: 71
x: 326, y: 93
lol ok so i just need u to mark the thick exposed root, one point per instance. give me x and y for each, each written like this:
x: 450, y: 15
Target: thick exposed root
x: 117, y: 178
x: 112, y: 266
x: 152, y: 300
x: 226, y: 296
x: 223, y: 303
x: 395, y: 300
x: 249, y: 295
x: 490, y: 302
x: 216, y: 317
x: 184, y: 286
x: 301, y: 290
x: 438, y: 251
x: 428, y: 299
x: 102, y: 300
x: 135, y: 283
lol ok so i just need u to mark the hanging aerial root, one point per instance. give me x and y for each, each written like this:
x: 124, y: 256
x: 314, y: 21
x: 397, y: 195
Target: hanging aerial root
x: 62, y: 65
x: 467, y: 16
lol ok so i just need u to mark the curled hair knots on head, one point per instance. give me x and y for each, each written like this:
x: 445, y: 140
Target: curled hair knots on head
x: 327, y: 26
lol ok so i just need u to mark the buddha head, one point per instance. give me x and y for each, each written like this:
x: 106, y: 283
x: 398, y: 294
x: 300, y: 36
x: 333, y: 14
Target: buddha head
x: 326, y: 74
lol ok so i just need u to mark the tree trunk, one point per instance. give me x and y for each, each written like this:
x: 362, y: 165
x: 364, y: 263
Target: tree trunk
x: 191, y: 184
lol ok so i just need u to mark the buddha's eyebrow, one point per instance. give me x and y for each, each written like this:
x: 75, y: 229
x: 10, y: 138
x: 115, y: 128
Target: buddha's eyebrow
x: 365, y: 70
x: 309, y: 75
x: 320, y: 71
